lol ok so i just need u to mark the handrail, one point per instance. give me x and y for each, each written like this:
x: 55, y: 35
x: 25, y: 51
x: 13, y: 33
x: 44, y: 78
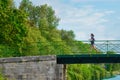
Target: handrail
x: 106, y: 46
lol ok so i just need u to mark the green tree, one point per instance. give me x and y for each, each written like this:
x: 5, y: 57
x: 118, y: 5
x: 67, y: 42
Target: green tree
x: 67, y: 35
x: 12, y: 27
x: 112, y: 67
x: 6, y: 4
x: 47, y: 21
x: 25, y: 5
x: 30, y: 10
x: 49, y: 14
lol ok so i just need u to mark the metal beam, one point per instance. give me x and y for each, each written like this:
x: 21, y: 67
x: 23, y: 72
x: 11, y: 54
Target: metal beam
x: 88, y: 58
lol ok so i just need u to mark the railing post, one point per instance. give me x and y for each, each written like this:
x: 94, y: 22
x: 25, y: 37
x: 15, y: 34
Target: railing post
x: 107, y: 46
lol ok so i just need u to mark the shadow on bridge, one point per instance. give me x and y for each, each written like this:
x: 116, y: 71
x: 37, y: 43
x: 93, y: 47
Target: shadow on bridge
x: 88, y: 58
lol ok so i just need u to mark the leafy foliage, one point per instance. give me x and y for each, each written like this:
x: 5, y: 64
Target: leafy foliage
x: 32, y: 30
x: 12, y: 27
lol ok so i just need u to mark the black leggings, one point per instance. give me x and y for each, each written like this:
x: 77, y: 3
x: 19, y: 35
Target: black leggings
x: 92, y: 42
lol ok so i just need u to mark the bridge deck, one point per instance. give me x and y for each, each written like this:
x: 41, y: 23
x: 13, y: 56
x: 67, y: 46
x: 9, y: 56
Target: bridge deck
x: 88, y: 58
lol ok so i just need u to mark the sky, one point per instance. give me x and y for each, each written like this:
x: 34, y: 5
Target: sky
x: 100, y: 17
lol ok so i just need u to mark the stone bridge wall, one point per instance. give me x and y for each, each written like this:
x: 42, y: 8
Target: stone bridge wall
x: 32, y: 68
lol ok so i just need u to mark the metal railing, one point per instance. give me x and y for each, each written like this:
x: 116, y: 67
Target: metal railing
x: 106, y: 46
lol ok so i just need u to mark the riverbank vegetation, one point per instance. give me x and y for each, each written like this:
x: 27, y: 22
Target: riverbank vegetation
x: 32, y: 30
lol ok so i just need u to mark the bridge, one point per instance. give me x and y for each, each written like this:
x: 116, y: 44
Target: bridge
x: 105, y: 47
x: 108, y: 51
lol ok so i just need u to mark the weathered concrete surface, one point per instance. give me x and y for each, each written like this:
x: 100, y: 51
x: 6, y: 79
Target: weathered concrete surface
x: 32, y: 68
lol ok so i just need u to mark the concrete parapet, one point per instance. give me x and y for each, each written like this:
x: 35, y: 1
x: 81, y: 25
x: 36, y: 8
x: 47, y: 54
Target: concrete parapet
x: 32, y: 68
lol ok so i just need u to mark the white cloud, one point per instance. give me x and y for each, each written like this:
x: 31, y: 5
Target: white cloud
x: 109, y: 12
